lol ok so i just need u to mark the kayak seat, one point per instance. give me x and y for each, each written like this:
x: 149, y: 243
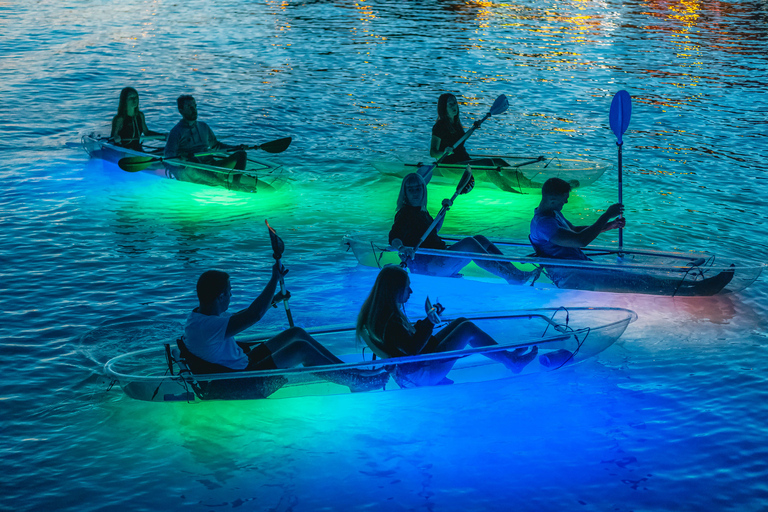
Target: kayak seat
x: 411, y: 375
x: 245, y: 388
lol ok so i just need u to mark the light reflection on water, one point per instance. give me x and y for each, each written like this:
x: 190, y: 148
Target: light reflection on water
x: 97, y: 261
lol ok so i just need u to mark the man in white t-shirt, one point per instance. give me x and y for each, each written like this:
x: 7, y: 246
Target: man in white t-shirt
x: 210, y: 333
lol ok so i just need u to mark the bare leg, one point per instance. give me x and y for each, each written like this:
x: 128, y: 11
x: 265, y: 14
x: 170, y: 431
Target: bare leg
x: 295, y: 347
x: 482, y: 245
x: 461, y: 332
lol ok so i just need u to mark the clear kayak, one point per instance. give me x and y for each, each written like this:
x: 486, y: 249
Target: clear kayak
x: 609, y: 269
x: 563, y: 336
x: 517, y: 174
x: 259, y: 176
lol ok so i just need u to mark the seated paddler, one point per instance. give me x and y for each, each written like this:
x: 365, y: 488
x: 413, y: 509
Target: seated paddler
x: 194, y: 141
x: 383, y: 325
x: 210, y: 330
x: 554, y: 236
x: 411, y: 223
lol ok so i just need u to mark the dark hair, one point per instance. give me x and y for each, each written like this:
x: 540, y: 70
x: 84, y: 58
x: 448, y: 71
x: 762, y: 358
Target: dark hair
x: 124, y: 99
x: 181, y: 100
x: 210, y: 285
x: 555, y: 187
x: 442, y: 109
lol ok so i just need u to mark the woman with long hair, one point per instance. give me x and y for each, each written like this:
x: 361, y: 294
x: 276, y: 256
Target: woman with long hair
x: 129, y: 124
x: 446, y: 133
x: 383, y: 325
x: 411, y: 222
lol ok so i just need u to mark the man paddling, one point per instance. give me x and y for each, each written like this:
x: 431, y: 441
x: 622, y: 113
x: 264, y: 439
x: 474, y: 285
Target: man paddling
x: 553, y: 236
x: 209, y: 344
x: 190, y: 139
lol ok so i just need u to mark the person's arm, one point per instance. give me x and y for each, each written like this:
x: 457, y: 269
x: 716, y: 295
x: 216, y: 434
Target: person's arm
x: 245, y: 318
x: 144, y: 129
x: 172, y: 143
x: 399, y: 341
x: 585, y: 235
x: 434, y: 148
x: 117, y: 125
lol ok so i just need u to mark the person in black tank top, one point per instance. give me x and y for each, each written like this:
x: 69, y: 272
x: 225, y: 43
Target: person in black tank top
x: 129, y: 125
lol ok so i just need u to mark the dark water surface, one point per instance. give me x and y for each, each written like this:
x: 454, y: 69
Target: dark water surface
x: 97, y: 262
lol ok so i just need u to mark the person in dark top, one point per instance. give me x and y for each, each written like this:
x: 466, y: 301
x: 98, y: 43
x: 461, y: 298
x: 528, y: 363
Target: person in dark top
x: 129, y: 124
x: 411, y: 222
x: 446, y: 133
x: 383, y: 325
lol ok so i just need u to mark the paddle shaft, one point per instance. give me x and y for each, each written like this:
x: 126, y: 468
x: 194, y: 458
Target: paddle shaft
x: 285, y: 299
x: 621, y: 190
x: 439, y: 217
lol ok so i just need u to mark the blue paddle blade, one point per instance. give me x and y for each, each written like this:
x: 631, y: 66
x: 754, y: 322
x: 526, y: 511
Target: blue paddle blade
x: 500, y: 105
x: 621, y: 112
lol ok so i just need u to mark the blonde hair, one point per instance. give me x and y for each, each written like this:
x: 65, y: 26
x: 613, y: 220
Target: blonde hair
x: 381, y: 304
x: 402, y: 198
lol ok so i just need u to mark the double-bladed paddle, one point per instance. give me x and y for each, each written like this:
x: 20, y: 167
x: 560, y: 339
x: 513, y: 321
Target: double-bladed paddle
x: 621, y: 112
x: 277, y: 252
x: 499, y: 107
x: 139, y: 163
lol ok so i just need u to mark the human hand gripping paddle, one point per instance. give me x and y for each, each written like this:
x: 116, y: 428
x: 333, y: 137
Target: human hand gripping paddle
x: 621, y: 112
x: 499, y: 107
x: 277, y: 252
x: 466, y: 183
x: 139, y: 163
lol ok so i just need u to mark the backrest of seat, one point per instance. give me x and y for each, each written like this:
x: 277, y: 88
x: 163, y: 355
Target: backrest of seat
x: 199, y: 365
x: 376, y: 346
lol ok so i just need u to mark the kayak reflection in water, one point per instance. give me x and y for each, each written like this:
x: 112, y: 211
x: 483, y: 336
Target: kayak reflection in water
x: 385, y: 328
x: 129, y: 124
x: 553, y: 236
x: 209, y: 344
x: 447, y: 131
x: 411, y: 222
x: 191, y: 139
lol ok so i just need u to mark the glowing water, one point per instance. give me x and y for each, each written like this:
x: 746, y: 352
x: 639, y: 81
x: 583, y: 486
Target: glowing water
x: 97, y: 262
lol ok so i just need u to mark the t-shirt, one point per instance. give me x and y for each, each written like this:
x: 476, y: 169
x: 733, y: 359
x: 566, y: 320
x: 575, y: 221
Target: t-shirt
x: 411, y: 222
x: 205, y: 336
x: 442, y: 130
x: 185, y: 138
x: 544, y: 227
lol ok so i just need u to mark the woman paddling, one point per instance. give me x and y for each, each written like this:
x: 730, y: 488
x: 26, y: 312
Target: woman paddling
x: 129, y: 125
x: 385, y: 328
x: 446, y: 133
x: 411, y: 222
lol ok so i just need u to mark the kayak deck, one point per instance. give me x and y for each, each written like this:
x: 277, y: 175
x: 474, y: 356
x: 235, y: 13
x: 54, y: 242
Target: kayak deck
x: 259, y: 176
x: 517, y: 174
x: 563, y: 336
x: 610, y: 270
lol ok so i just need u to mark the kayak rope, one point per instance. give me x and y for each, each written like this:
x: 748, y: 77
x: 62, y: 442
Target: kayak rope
x: 158, y: 387
x: 567, y: 329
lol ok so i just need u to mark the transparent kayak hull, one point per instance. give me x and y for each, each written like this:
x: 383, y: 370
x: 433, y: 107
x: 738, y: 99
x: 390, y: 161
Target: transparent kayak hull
x: 517, y: 174
x: 259, y: 176
x: 564, y: 337
x: 610, y: 270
